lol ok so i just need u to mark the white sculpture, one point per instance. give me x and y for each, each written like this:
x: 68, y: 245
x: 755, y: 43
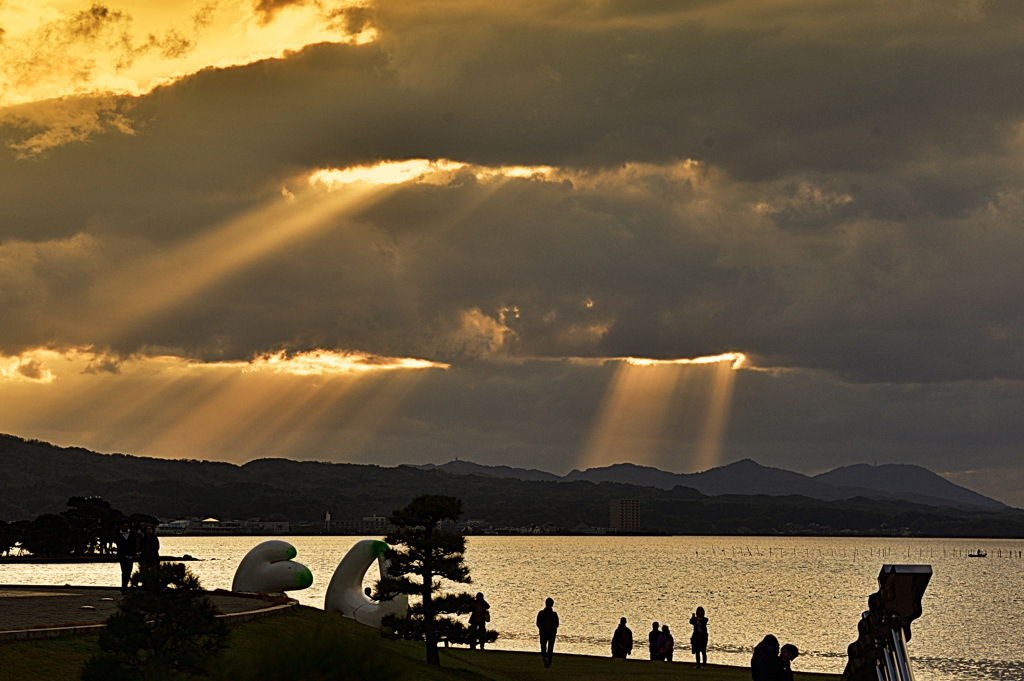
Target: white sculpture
x: 269, y: 568
x: 345, y: 592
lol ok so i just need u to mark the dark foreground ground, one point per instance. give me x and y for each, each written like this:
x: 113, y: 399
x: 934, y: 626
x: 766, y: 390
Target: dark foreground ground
x: 43, y: 607
x: 307, y: 641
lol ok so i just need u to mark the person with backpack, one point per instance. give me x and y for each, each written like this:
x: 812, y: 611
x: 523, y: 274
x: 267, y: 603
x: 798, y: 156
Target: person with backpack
x: 478, y: 622
x: 622, y: 640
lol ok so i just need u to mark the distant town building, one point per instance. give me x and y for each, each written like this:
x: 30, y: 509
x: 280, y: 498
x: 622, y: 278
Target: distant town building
x: 215, y: 526
x: 625, y: 515
x: 372, y: 525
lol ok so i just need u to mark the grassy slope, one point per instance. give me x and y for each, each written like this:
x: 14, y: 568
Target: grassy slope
x: 291, y: 640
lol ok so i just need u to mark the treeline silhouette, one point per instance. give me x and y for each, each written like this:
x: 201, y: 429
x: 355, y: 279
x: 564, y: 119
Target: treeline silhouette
x: 86, y: 528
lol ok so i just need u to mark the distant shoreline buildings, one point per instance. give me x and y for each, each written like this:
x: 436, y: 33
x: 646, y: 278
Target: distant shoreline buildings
x: 625, y: 515
x: 217, y: 527
x: 374, y: 526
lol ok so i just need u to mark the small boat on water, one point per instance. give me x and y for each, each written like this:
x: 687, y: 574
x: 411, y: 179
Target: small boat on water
x: 980, y: 553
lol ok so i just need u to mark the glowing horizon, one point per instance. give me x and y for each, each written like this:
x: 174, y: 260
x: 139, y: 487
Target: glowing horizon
x: 169, y: 406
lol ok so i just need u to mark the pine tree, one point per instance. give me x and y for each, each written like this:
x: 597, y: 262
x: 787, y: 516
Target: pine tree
x: 423, y: 555
x: 166, y: 628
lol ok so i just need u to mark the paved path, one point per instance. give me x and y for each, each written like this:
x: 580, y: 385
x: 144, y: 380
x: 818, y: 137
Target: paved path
x: 50, y: 607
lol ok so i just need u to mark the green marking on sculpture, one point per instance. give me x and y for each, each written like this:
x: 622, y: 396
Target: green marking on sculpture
x: 303, y: 578
x: 378, y: 548
x: 292, y: 552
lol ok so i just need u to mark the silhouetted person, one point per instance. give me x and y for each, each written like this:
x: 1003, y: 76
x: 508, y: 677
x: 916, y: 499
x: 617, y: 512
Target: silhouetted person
x: 765, y: 664
x: 787, y: 654
x: 699, y: 638
x: 666, y: 644
x: 652, y: 641
x: 149, y: 548
x: 622, y: 640
x: 127, y: 545
x: 478, y: 621
x: 770, y: 663
x: 547, y: 625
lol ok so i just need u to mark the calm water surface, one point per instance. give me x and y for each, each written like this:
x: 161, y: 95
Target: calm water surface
x: 808, y: 591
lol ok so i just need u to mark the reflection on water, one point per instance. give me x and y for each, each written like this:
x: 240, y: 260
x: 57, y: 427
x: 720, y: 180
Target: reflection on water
x: 808, y: 591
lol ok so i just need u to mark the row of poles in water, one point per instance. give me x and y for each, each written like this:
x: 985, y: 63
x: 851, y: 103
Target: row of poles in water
x: 882, y: 553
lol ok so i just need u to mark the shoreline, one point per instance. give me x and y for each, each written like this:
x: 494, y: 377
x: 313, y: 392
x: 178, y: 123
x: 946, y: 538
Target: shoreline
x: 71, y: 560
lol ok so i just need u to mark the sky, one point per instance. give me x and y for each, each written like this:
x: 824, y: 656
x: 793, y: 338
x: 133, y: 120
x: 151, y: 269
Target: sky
x: 550, y: 235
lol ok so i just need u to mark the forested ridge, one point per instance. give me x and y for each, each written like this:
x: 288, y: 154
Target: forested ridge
x: 39, y: 478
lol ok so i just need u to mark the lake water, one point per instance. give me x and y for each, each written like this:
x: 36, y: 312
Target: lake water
x: 807, y: 591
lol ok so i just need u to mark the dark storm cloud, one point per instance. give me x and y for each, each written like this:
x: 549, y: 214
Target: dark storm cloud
x: 267, y: 9
x: 852, y: 214
x: 347, y: 17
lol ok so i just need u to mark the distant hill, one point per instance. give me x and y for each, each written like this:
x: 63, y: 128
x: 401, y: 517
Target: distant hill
x: 37, y: 477
x: 741, y: 477
x: 458, y: 467
x: 907, y: 482
x: 747, y: 477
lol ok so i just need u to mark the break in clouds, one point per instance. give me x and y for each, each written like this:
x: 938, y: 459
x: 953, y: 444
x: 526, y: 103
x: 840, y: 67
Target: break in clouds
x: 834, y: 190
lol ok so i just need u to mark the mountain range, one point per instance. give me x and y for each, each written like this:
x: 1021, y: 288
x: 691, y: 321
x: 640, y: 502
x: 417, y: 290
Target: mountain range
x: 747, y: 477
x: 741, y: 498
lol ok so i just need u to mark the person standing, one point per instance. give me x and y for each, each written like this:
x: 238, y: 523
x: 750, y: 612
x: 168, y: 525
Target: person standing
x: 666, y: 644
x: 547, y: 625
x: 127, y: 546
x: 652, y: 641
x: 699, y: 638
x: 622, y: 640
x: 149, y: 548
x: 765, y: 663
x: 478, y: 621
x: 787, y: 654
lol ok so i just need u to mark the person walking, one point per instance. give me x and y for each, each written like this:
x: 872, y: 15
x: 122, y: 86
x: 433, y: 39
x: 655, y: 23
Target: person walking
x: 652, y: 641
x: 127, y: 547
x: 699, y: 638
x: 478, y: 621
x: 666, y: 644
x: 622, y: 640
x: 547, y: 625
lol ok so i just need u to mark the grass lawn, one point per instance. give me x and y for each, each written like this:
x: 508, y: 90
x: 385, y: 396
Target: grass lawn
x: 310, y: 644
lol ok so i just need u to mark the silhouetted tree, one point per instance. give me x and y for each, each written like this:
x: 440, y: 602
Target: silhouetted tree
x: 423, y: 554
x: 165, y: 629
x: 93, y: 522
x: 8, y: 537
x: 48, y: 535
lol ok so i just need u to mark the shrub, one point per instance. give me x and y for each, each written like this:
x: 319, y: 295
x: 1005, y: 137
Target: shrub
x: 166, y: 628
